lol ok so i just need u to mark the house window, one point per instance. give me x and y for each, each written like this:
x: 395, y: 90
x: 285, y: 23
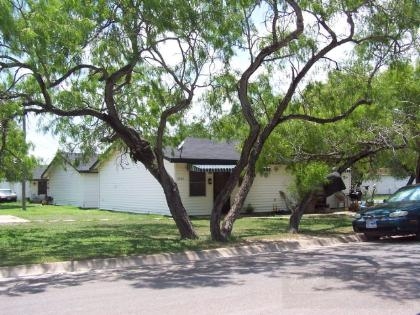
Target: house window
x: 42, y: 187
x: 197, y: 184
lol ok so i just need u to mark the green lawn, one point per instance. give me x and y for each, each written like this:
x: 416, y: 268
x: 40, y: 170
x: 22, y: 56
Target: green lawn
x: 59, y: 233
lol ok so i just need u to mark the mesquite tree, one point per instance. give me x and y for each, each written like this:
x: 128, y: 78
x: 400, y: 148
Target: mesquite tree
x: 296, y: 40
x: 115, y: 70
x: 376, y: 136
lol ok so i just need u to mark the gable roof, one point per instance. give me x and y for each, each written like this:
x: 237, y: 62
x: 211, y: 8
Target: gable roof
x: 204, y: 151
x: 78, y: 161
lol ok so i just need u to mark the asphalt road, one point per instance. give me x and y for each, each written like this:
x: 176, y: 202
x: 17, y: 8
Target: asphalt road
x: 356, y: 278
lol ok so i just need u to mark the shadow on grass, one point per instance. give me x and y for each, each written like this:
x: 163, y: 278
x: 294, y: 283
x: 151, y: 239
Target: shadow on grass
x: 15, y: 206
x: 387, y: 269
x: 314, y: 226
x: 63, y: 241
x: 93, y: 241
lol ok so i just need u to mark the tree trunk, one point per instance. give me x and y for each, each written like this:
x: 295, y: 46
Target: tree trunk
x: 216, y: 213
x: 411, y: 180
x: 141, y: 150
x: 308, y: 202
x: 177, y: 209
x: 334, y: 185
x: 227, y: 224
x: 418, y: 170
x: 225, y: 193
x: 252, y: 149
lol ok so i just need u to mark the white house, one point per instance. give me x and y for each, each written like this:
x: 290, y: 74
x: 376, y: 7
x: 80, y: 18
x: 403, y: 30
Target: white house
x: 199, y: 166
x: 73, y: 180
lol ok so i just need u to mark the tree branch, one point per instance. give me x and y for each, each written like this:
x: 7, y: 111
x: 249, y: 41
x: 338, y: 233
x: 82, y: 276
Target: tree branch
x: 75, y: 69
x: 320, y: 120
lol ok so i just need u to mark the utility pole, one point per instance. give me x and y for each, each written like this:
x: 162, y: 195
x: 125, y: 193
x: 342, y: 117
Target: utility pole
x: 23, y: 166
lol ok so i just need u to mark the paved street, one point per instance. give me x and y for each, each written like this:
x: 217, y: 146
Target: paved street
x: 357, y: 278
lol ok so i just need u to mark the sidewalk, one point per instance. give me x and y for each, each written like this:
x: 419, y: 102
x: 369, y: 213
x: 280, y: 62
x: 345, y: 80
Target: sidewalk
x: 260, y: 247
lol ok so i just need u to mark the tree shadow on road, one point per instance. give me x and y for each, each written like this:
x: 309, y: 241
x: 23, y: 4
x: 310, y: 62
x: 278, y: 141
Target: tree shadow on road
x: 361, y: 267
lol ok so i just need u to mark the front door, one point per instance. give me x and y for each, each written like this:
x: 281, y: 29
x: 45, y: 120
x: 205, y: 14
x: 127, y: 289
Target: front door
x: 219, y: 180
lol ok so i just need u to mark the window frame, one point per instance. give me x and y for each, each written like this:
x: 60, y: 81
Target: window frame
x: 42, y: 187
x: 197, y: 184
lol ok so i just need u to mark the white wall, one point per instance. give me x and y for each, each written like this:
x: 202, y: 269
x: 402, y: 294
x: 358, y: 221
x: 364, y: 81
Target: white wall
x: 195, y: 205
x: 65, y: 185
x: 90, y: 191
x: 264, y: 194
x: 69, y: 187
x: 126, y: 186
x: 386, y: 184
x: 32, y: 189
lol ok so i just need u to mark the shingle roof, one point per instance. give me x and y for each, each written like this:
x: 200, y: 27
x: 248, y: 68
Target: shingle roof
x: 38, y: 171
x: 205, y: 151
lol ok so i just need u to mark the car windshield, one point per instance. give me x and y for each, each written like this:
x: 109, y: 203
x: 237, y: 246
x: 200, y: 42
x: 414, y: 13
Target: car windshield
x: 407, y: 194
x: 6, y: 191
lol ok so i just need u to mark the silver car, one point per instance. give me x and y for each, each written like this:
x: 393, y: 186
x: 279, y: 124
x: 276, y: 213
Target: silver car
x: 7, y: 195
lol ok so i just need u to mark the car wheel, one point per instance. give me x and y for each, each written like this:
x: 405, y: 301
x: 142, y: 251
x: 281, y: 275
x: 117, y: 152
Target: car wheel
x: 370, y: 237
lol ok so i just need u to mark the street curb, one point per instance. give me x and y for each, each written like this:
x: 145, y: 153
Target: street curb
x: 171, y: 258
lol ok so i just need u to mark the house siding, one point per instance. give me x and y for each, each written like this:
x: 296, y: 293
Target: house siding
x: 127, y: 186
x: 264, y: 194
x: 65, y: 186
x: 386, y: 184
x: 195, y: 205
x: 90, y: 190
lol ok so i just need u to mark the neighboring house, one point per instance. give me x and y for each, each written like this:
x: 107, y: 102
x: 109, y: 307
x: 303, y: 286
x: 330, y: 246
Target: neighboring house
x: 385, y: 183
x: 36, y: 186
x: 200, y: 167
x: 73, y: 180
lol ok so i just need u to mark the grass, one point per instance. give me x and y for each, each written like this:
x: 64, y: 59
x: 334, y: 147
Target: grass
x: 60, y: 233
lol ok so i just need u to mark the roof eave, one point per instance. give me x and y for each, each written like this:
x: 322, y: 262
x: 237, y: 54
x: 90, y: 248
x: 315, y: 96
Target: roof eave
x: 202, y: 161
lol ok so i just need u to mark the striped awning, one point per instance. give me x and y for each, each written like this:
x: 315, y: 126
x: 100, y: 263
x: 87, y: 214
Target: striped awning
x: 211, y: 168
